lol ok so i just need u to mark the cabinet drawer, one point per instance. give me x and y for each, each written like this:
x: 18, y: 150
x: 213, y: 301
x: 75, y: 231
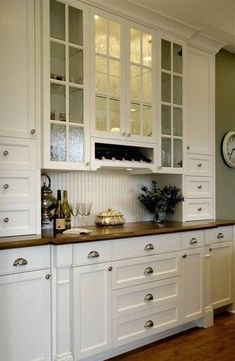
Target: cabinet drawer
x: 25, y: 259
x: 17, y: 219
x: 137, y: 326
x: 17, y: 186
x: 91, y: 252
x: 198, y: 187
x: 145, y: 269
x: 192, y: 239
x: 145, y: 297
x: 199, y: 165
x: 217, y: 235
x: 17, y: 153
x: 198, y: 209
x: 143, y: 246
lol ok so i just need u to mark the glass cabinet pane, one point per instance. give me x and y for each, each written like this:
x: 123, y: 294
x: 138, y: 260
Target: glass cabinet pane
x: 166, y: 152
x: 57, y: 61
x: 135, y: 122
x: 135, y: 46
x: 166, y: 55
x: 177, y: 121
x: 147, y: 50
x: 147, y: 121
x: 114, y: 111
x: 136, y: 82
x: 75, y: 26
x: 76, y: 65
x: 114, y: 39
x: 57, y: 20
x: 58, y: 111
x: 177, y: 90
x: 76, y: 105
x: 76, y: 144
x: 147, y: 85
x: 178, y: 160
x: 114, y: 77
x: 101, y: 113
x: 166, y: 119
x: 101, y: 75
x: 58, y: 142
x: 101, y: 29
x: 166, y: 87
x: 177, y: 58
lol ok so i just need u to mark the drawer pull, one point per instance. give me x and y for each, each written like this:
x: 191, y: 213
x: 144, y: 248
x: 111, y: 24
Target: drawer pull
x: 110, y: 268
x: 184, y: 255
x: 93, y: 254
x: 199, y: 165
x: 220, y: 235
x: 6, y: 219
x: 5, y: 153
x: 210, y: 249
x: 193, y: 241
x: 33, y: 131
x: 48, y: 276
x: 149, y: 324
x: 188, y: 147
x: 20, y: 262
x: 149, y: 247
x: 148, y: 271
x: 148, y: 297
x: 199, y: 187
x: 6, y: 186
x: 199, y: 209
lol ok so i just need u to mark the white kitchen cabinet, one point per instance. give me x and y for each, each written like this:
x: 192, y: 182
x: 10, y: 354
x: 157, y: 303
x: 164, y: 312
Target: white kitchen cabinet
x: 92, y: 309
x: 25, y: 333
x: 66, y: 72
x: 17, y: 68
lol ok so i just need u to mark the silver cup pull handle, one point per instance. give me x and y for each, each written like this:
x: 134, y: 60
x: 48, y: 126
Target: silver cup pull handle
x: 148, y: 271
x: 93, y: 254
x: 20, y: 262
x: 148, y: 297
x: 5, y: 153
x: 149, y: 247
x: 193, y: 241
x: 220, y: 235
x: 149, y: 324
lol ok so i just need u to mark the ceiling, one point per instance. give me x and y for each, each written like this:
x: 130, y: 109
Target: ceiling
x: 214, y: 18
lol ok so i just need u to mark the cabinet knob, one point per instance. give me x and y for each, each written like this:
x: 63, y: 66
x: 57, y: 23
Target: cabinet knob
x: 199, y: 209
x: 20, y: 262
x: 184, y: 255
x: 199, y: 187
x: 149, y: 324
x: 33, y: 131
x: 193, y: 241
x: 148, y: 297
x: 149, y: 247
x: 123, y: 134
x: 188, y: 147
x: 6, y: 186
x: 210, y: 249
x: 5, y: 153
x: 220, y: 235
x: 93, y: 254
x: 148, y: 270
x: 199, y: 165
x: 128, y: 134
x: 6, y: 219
x: 48, y: 276
x: 110, y: 269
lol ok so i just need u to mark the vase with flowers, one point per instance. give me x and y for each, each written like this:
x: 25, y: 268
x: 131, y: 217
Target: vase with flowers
x: 160, y: 201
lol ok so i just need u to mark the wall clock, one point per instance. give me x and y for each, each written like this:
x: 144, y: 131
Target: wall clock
x: 228, y: 148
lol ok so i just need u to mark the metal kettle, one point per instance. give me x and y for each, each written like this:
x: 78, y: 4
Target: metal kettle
x: 48, y: 203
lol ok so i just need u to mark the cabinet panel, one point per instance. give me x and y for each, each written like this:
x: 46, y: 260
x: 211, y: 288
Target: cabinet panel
x: 199, y: 165
x: 192, y: 239
x: 17, y: 90
x: 218, y: 235
x: 197, y: 209
x: 17, y: 153
x: 25, y: 317
x: 17, y: 186
x: 90, y: 253
x: 199, y: 187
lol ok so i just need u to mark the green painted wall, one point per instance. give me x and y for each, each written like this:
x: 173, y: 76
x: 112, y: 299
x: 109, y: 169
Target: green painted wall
x: 225, y: 121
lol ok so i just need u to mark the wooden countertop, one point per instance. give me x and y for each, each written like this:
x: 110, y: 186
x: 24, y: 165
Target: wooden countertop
x: 135, y: 229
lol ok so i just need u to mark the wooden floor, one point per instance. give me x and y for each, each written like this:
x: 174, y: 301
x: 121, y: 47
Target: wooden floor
x: 216, y: 343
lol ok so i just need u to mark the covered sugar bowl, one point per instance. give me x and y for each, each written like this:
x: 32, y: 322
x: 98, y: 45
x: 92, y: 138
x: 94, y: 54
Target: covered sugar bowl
x: 110, y: 217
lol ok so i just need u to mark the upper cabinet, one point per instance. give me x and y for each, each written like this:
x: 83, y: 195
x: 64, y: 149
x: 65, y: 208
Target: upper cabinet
x: 171, y: 104
x: 66, y: 72
x: 17, y: 70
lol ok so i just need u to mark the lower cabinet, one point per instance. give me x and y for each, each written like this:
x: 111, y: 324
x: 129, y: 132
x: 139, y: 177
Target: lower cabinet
x: 25, y: 316
x: 92, y: 309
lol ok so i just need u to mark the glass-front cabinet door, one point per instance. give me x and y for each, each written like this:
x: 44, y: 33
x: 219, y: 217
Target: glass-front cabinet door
x: 65, y: 119
x: 171, y: 112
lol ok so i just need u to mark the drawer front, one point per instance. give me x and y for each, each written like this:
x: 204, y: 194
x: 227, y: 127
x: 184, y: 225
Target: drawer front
x: 143, y: 246
x: 198, y: 209
x: 17, y: 260
x: 192, y: 239
x: 218, y: 235
x: 198, y: 187
x: 135, y: 327
x: 91, y: 252
x: 17, y: 186
x: 17, y: 153
x: 199, y: 165
x: 145, y: 297
x: 145, y: 269
x: 17, y: 219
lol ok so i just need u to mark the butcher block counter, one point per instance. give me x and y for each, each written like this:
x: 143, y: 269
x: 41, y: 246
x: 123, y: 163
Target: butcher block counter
x: 133, y: 229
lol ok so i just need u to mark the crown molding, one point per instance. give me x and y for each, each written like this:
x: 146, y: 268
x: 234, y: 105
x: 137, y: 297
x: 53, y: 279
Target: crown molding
x: 205, y: 42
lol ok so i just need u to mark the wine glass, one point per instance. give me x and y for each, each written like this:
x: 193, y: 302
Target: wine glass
x: 74, y: 212
x: 84, y: 210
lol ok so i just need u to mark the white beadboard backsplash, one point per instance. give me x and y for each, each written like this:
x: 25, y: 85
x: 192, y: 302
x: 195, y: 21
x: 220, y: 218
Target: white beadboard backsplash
x: 105, y: 189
